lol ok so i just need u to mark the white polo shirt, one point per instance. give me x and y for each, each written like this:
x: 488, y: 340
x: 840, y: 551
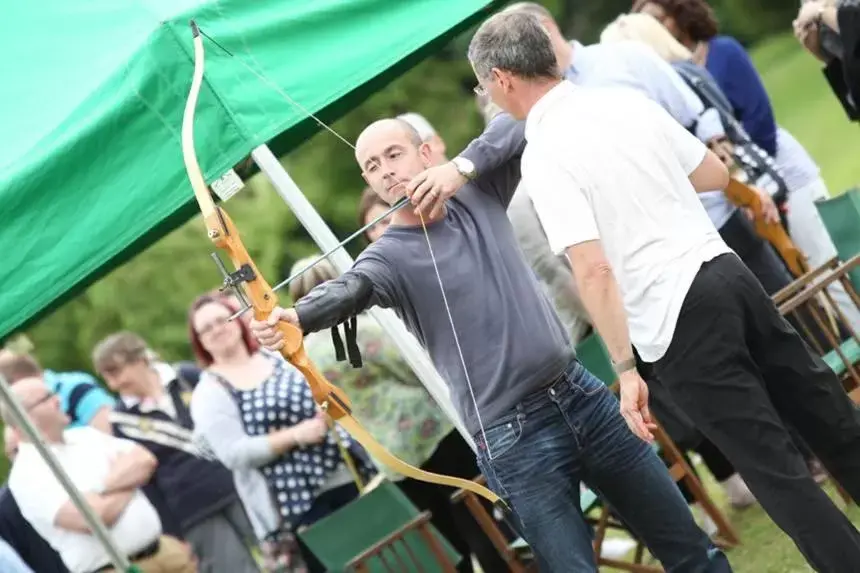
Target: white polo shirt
x: 85, y: 456
x: 609, y: 164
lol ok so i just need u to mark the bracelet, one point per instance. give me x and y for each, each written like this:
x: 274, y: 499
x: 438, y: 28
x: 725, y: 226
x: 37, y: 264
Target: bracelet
x: 624, y: 366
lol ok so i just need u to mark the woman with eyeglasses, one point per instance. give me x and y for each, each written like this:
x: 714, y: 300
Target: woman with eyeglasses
x: 254, y: 411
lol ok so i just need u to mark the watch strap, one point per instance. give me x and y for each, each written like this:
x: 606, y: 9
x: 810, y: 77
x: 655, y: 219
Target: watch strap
x: 624, y: 366
x: 465, y: 167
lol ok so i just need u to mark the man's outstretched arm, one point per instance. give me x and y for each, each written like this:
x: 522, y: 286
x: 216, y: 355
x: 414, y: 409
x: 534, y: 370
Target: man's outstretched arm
x: 332, y: 302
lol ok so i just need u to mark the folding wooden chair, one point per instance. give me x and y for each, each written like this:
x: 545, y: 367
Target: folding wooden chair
x: 515, y: 554
x: 841, y: 218
x: 810, y: 293
x: 380, y: 532
x: 395, y: 552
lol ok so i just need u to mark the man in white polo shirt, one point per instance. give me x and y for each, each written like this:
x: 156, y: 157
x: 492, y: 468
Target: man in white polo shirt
x: 108, y: 471
x: 614, y: 180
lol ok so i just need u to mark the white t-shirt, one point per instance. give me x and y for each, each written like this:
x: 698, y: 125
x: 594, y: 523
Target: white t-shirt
x: 85, y: 456
x: 609, y: 164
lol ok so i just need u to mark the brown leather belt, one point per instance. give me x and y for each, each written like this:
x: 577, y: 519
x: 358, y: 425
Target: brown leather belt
x: 147, y: 551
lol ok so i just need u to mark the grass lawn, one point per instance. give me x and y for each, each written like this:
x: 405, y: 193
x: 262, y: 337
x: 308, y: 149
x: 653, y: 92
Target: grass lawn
x: 805, y: 106
x: 764, y: 548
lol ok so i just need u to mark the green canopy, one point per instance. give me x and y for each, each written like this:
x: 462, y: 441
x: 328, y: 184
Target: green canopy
x: 91, y: 166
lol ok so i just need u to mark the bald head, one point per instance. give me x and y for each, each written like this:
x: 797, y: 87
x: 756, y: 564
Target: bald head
x: 386, y: 128
x: 390, y: 152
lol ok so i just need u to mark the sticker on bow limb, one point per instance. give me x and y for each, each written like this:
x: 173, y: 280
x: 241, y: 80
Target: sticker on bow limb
x: 227, y: 185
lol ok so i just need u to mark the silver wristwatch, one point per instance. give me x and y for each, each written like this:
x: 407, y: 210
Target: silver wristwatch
x: 623, y: 366
x: 465, y: 167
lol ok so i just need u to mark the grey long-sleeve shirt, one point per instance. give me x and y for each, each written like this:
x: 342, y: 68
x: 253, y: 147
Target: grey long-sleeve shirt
x: 512, y: 340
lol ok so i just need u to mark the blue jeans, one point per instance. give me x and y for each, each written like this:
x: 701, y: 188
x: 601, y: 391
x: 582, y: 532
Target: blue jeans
x: 536, y: 456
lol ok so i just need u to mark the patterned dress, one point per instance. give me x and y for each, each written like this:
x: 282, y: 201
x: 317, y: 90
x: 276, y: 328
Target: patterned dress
x: 295, y: 478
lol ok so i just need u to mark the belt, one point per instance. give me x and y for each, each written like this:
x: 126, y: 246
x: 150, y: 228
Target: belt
x: 147, y: 551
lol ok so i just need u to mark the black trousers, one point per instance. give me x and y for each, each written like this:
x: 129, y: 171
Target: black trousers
x: 454, y: 457
x: 741, y: 372
x: 770, y: 270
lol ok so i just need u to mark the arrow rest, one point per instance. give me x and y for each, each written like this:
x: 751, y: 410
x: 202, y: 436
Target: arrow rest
x: 233, y: 281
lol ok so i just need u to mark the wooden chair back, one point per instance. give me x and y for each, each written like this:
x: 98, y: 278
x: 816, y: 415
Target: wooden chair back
x: 396, y: 554
x: 810, y: 294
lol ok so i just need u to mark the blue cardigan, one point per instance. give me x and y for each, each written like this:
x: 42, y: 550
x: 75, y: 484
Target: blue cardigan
x: 733, y: 69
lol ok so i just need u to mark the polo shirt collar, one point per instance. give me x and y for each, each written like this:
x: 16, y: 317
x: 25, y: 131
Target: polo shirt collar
x: 166, y: 374
x: 544, y: 104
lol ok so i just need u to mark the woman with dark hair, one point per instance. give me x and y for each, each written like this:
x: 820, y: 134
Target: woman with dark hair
x: 255, y: 413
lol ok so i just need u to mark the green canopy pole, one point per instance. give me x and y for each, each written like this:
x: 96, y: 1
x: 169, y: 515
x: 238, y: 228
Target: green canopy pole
x: 22, y: 421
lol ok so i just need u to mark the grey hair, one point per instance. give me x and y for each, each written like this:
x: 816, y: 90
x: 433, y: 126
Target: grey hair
x: 532, y: 8
x: 318, y: 274
x: 515, y: 42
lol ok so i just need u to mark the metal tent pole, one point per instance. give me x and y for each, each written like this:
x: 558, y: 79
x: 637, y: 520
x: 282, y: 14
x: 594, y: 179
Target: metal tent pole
x: 325, y: 239
x: 22, y: 421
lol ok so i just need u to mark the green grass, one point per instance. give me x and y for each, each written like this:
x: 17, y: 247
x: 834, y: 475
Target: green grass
x: 805, y: 106
x: 764, y: 548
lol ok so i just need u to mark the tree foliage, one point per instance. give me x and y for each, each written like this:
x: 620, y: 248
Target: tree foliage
x: 151, y: 294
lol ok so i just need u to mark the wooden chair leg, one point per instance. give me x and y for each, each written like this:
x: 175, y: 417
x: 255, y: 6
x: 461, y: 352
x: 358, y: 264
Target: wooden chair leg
x: 726, y: 530
x: 600, y: 532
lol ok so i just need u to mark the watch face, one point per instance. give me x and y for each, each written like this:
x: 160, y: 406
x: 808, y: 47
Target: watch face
x: 466, y: 167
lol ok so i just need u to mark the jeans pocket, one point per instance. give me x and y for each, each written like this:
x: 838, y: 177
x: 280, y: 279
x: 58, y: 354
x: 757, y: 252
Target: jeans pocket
x: 503, y: 437
x: 585, y: 383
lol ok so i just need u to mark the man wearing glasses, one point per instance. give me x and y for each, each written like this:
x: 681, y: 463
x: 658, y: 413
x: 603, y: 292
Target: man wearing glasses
x: 108, y: 471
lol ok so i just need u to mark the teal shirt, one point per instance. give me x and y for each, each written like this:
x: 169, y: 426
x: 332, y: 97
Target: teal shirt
x: 81, y: 396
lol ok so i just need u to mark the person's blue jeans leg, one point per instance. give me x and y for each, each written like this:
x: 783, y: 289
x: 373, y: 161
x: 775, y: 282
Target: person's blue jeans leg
x: 634, y: 481
x: 531, y: 459
x: 573, y: 431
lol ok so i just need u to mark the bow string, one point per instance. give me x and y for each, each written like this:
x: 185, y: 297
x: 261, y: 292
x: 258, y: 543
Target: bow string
x: 262, y: 298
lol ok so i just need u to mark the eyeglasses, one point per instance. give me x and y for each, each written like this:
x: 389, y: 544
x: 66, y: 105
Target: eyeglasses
x: 40, y: 401
x: 217, y: 323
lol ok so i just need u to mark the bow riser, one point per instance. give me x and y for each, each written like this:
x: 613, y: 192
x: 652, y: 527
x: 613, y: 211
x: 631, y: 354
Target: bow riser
x: 224, y: 234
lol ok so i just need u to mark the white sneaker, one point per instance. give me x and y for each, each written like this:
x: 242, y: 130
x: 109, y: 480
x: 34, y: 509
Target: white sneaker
x: 616, y: 547
x: 705, y: 522
x: 737, y: 492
